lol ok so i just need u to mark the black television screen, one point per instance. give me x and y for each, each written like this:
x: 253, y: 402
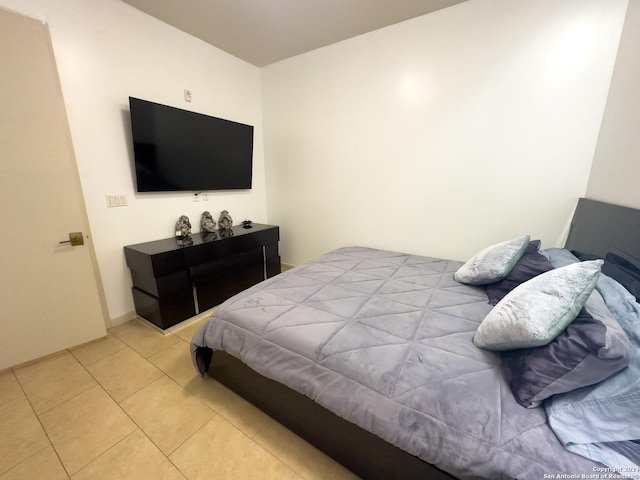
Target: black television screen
x: 177, y: 150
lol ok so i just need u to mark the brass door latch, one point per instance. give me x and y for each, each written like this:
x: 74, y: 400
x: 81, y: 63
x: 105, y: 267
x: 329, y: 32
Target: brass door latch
x: 75, y: 239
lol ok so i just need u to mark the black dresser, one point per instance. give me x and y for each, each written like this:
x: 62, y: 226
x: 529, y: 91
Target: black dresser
x: 173, y: 282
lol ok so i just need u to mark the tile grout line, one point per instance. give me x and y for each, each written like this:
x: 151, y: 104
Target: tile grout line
x: 229, y: 421
x: 139, y: 427
x: 295, y: 473
x: 110, y: 448
x: 99, y: 384
x: 223, y: 417
x: 44, y: 430
x: 216, y: 414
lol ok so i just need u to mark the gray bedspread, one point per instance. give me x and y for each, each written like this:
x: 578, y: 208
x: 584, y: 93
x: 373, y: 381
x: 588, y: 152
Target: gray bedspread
x: 384, y: 340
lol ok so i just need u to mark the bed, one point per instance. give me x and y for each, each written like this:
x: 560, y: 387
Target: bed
x: 373, y: 356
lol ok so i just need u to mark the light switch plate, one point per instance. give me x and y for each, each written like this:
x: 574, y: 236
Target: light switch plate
x: 117, y: 200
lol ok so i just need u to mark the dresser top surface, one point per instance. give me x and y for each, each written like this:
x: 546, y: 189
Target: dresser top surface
x: 166, y: 245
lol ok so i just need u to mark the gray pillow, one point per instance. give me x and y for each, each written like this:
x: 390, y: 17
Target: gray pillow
x: 492, y: 263
x: 592, y: 348
x: 537, y: 311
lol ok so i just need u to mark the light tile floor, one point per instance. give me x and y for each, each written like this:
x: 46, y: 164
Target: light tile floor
x: 131, y: 406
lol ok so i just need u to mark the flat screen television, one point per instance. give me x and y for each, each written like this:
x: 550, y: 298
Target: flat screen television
x: 178, y: 150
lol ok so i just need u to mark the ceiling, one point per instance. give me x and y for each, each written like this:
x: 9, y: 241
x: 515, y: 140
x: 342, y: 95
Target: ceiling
x: 262, y: 32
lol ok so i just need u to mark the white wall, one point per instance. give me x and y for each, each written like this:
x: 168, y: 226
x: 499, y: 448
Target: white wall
x: 107, y: 51
x: 615, y: 174
x: 441, y: 134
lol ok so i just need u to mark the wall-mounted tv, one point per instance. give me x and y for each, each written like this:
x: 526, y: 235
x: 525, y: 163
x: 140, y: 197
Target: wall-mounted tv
x: 178, y: 150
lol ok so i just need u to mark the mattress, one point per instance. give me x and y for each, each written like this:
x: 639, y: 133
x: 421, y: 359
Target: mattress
x: 384, y: 340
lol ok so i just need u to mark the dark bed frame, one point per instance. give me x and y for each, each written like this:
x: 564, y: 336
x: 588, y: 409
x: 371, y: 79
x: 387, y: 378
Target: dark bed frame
x: 364, y: 453
x: 599, y: 228
x: 596, y: 228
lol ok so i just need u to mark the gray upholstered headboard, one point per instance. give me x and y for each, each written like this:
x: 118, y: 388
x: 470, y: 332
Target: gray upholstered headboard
x: 599, y: 228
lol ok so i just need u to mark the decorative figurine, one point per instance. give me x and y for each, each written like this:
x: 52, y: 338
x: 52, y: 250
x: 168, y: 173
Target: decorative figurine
x: 225, y: 221
x: 185, y: 241
x: 209, y: 236
x: 226, y: 233
x: 207, y: 223
x: 183, y: 227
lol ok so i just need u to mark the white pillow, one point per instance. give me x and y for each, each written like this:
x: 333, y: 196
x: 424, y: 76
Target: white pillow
x: 538, y: 310
x: 493, y: 263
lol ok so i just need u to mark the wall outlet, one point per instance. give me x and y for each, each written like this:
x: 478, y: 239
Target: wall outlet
x: 187, y: 95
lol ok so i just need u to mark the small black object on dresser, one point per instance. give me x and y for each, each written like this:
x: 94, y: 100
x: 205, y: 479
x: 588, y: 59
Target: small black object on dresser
x: 172, y: 283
